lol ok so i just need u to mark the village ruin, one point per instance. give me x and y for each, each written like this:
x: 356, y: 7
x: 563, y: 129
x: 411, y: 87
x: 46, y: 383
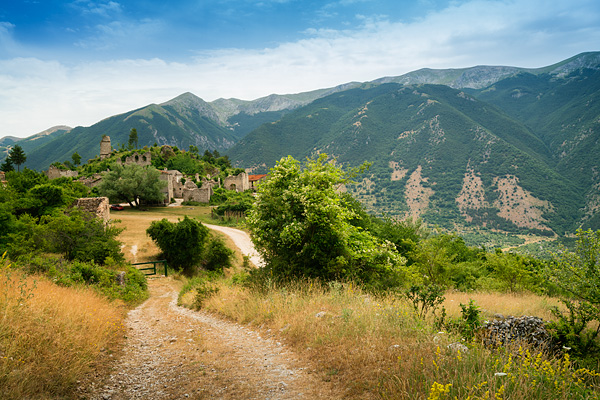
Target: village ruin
x: 178, y: 185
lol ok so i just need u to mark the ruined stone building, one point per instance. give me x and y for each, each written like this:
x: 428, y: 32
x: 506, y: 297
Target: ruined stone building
x: 174, y: 186
x: 54, y: 173
x: 192, y: 192
x: 105, y: 147
x: 136, y: 158
x: 97, y: 206
x: 238, y: 182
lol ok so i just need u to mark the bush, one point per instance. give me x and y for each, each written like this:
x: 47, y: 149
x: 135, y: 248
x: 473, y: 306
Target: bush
x: 218, y: 256
x: 182, y: 243
x: 81, y: 236
x: 578, y: 275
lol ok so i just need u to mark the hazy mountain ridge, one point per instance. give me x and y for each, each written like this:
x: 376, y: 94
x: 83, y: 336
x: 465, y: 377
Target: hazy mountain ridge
x: 482, y: 76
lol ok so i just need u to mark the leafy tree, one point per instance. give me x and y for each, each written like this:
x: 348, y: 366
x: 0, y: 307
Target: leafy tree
x: 21, y: 182
x: 218, y: 255
x: 184, y: 162
x: 81, y: 236
x: 17, y: 156
x: 301, y: 226
x: 432, y: 259
x: 405, y: 235
x: 578, y: 274
x: 509, y: 269
x: 76, y: 158
x: 182, y: 243
x: 132, y: 183
x: 133, y: 139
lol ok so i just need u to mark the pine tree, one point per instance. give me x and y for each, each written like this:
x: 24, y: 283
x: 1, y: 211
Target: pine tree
x: 17, y: 156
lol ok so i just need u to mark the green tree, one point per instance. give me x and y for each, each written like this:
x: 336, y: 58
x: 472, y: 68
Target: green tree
x: 182, y: 243
x: 81, y: 236
x: 133, y: 139
x: 301, y: 226
x: 76, y: 158
x: 578, y: 274
x: 7, y: 166
x: 17, y: 156
x: 132, y: 184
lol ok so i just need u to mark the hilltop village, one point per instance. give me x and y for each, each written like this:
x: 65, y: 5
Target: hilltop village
x: 179, y: 185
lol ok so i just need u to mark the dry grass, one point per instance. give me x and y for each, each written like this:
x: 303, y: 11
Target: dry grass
x: 51, y: 336
x: 137, y: 246
x: 491, y: 303
x: 374, y: 347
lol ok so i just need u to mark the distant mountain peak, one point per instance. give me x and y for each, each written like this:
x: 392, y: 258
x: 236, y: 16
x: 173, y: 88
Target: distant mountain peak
x: 481, y: 76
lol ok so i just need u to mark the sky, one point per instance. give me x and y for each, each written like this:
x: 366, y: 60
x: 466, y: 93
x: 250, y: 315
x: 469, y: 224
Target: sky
x: 79, y: 61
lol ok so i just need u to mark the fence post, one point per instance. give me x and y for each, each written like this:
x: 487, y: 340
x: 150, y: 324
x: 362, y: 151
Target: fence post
x: 165, y: 264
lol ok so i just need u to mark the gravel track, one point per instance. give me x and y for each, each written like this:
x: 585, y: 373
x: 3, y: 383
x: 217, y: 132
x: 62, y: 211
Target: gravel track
x: 175, y: 353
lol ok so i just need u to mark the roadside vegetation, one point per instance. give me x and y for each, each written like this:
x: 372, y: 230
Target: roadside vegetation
x: 64, y: 288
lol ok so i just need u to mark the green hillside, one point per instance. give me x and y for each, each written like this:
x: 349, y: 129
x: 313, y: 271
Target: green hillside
x: 424, y: 142
x: 154, y: 124
x: 564, y: 113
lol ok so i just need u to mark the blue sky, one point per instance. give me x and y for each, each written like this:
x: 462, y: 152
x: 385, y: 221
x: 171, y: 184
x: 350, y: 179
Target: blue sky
x: 76, y: 62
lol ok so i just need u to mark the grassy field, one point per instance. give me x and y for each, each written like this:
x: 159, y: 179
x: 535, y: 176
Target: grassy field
x: 375, y: 347
x: 46, y: 344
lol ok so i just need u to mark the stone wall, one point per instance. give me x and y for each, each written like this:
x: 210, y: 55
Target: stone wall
x: 239, y: 182
x: 91, y: 181
x: 191, y: 192
x: 139, y: 159
x: 98, y: 206
x: 54, y: 173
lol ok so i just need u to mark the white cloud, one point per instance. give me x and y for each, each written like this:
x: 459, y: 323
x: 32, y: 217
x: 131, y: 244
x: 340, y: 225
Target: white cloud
x: 35, y: 95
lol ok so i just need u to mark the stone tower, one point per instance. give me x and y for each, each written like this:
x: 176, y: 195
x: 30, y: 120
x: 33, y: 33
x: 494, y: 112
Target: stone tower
x: 105, y: 147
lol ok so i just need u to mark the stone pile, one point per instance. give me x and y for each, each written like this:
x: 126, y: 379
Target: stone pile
x: 525, y: 329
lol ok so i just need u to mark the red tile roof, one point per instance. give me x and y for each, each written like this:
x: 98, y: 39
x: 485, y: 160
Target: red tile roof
x: 254, y: 178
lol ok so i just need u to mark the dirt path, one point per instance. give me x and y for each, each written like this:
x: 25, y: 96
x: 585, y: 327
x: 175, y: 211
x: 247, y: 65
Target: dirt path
x: 242, y: 241
x: 175, y: 353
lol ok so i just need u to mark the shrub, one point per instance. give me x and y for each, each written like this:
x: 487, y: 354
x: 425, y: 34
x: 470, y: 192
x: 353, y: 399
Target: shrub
x: 578, y: 274
x: 218, y: 256
x: 182, y: 243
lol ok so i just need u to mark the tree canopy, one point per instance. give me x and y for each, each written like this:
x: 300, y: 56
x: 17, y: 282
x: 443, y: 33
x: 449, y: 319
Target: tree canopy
x: 132, y: 183
x: 302, y: 227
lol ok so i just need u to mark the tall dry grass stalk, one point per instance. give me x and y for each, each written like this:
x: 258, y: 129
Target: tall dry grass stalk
x: 375, y: 347
x: 51, y: 336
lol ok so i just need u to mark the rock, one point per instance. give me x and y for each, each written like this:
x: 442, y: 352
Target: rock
x: 458, y: 347
x: 531, y: 330
x: 321, y: 314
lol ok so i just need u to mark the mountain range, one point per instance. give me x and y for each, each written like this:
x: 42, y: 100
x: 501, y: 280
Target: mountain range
x: 506, y: 148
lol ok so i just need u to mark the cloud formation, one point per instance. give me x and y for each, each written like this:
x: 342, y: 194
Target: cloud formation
x: 36, y: 94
